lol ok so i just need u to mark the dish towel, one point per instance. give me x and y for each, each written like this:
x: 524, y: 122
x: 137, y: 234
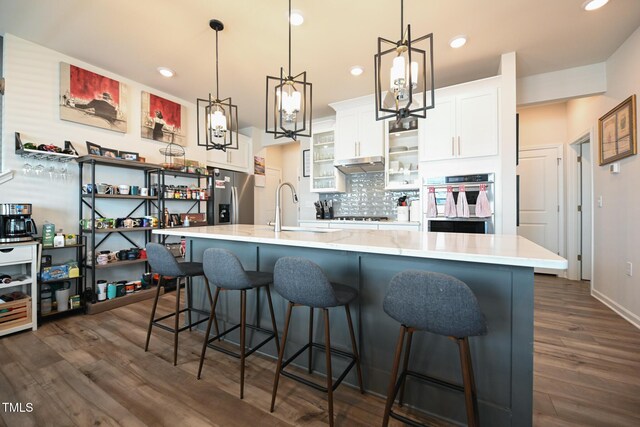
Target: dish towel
x: 462, y: 208
x: 450, y: 204
x: 432, y: 210
x: 483, y: 209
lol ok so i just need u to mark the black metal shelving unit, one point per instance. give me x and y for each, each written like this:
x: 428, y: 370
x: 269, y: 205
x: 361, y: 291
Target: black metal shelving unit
x: 96, y: 237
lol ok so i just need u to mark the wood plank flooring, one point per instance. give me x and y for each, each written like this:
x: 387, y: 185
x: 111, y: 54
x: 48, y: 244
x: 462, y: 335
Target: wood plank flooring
x: 92, y: 370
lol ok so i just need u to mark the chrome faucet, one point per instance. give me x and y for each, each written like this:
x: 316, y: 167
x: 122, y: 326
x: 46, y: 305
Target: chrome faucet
x: 278, y: 226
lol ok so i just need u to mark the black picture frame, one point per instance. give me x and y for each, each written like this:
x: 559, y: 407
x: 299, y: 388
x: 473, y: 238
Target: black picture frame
x: 129, y: 155
x: 108, y: 152
x: 306, y: 163
x: 94, y: 149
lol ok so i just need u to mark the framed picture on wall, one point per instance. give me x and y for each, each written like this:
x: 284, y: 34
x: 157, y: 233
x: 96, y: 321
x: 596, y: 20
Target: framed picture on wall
x: 163, y: 120
x: 617, y: 132
x: 92, y: 99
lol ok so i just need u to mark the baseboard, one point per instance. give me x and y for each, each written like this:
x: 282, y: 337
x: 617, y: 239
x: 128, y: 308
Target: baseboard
x: 623, y: 312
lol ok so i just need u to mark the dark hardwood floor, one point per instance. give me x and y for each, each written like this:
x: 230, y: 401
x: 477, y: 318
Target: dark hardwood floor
x: 92, y: 370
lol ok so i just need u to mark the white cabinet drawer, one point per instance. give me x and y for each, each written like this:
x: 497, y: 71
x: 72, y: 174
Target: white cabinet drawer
x: 354, y: 226
x: 404, y: 227
x: 15, y: 255
x: 314, y: 224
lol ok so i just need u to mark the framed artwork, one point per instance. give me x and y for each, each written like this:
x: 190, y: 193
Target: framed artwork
x: 108, y: 152
x: 306, y: 163
x: 94, y: 149
x: 617, y: 132
x: 163, y: 120
x: 128, y: 155
x: 91, y: 99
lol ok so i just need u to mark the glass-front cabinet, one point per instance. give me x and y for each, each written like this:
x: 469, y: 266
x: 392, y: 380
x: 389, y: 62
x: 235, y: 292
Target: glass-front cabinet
x: 325, y: 178
x: 401, y: 152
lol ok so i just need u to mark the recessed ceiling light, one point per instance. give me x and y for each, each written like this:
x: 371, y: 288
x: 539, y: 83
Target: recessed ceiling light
x: 167, y: 72
x: 590, y: 5
x: 356, y: 70
x: 458, y: 41
x: 296, y: 18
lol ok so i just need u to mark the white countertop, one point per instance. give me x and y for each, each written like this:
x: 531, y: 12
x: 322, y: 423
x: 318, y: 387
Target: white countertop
x: 481, y: 248
x: 359, y: 221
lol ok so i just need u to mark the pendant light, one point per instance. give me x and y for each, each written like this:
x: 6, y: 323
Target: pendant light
x: 288, y: 107
x: 218, y: 118
x: 404, y: 75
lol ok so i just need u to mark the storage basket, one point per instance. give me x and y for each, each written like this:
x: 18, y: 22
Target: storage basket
x: 15, y: 313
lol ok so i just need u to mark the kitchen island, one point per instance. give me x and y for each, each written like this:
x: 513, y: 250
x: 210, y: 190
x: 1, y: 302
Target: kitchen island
x: 498, y: 268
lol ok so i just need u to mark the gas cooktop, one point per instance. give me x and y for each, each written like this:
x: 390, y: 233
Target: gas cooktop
x: 361, y: 218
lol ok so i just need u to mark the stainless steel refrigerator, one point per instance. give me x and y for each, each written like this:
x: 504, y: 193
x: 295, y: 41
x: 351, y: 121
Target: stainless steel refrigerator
x: 232, y: 198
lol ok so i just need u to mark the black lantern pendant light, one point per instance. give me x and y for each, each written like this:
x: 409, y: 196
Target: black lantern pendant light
x: 219, y: 117
x: 288, y: 108
x: 404, y: 75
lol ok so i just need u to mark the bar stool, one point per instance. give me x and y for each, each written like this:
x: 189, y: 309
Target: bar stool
x: 165, y: 264
x: 440, y: 304
x: 303, y: 283
x: 224, y: 270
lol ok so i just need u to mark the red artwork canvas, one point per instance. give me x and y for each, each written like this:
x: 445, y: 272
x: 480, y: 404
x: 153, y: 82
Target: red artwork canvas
x: 92, y: 99
x: 162, y: 119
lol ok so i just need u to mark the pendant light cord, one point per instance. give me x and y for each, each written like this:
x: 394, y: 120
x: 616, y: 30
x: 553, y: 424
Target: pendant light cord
x: 217, y: 71
x: 289, y: 18
x: 401, y: 19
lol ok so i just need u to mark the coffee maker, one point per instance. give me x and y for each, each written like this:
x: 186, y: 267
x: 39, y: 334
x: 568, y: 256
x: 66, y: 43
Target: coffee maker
x: 16, y: 224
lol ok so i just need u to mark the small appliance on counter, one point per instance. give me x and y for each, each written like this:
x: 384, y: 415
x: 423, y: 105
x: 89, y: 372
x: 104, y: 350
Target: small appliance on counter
x: 16, y: 224
x: 324, y: 209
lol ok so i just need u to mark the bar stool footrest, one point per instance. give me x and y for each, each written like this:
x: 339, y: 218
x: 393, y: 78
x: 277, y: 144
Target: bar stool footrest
x: 270, y: 335
x: 156, y: 321
x: 322, y: 347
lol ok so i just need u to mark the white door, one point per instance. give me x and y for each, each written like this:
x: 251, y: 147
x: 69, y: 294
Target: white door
x: 265, y: 197
x: 586, y: 210
x: 539, y: 172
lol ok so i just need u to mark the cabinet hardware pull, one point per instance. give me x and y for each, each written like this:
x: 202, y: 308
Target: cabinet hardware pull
x: 453, y: 149
x: 459, y: 146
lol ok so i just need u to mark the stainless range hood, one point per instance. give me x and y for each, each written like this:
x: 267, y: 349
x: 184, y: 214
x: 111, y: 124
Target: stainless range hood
x: 360, y: 164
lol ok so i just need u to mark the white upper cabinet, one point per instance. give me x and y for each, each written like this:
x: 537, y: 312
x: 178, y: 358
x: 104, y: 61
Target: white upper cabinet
x: 464, y: 123
x: 232, y: 159
x: 358, y: 134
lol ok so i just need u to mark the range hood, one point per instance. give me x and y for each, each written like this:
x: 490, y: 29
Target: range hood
x: 360, y: 165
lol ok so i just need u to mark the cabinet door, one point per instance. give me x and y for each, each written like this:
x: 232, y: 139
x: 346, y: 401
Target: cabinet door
x: 346, y: 134
x: 477, y: 124
x: 218, y: 157
x: 370, y: 133
x: 437, y: 131
x: 239, y: 158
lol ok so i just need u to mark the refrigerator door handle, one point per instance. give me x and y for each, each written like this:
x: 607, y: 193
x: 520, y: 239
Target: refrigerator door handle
x: 234, y: 205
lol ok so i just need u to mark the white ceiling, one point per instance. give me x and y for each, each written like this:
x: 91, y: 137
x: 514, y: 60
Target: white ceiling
x: 133, y: 37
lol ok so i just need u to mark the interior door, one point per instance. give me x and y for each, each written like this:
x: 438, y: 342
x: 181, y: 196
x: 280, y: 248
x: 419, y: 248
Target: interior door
x: 586, y: 212
x: 539, y: 197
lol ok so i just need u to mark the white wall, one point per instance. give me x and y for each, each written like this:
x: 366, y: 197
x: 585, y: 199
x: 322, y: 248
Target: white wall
x: 31, y: 108
x: 616, y: 232
x: 543, y: 125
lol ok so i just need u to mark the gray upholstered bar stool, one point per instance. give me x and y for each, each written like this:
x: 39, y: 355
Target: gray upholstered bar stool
x: 440, y: 304
x: 224, y: 270
x: 303, y: 283
x: 165, y: 265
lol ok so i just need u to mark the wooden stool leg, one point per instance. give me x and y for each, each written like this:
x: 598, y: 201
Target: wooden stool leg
x: 206, y: 334
x: 176, y: 324
x: 153, y: 313
x: 405, y: 364
x: 212, y: 313
x: 327, y: 344
x: 471, y: 401
x: 354, y: 348
x: 273, y: 320
x: 310, y: 363
x: 243, y: 324
x: 188, y: 298
x: 281, y: 355
x: 392, y: 380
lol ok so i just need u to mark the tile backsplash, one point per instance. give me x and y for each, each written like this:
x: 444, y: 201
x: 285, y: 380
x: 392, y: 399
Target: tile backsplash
x: 365, y: 195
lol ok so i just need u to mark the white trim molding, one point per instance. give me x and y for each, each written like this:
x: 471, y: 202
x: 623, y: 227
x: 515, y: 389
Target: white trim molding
x: 623, y: 312
x: 6, y: 176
